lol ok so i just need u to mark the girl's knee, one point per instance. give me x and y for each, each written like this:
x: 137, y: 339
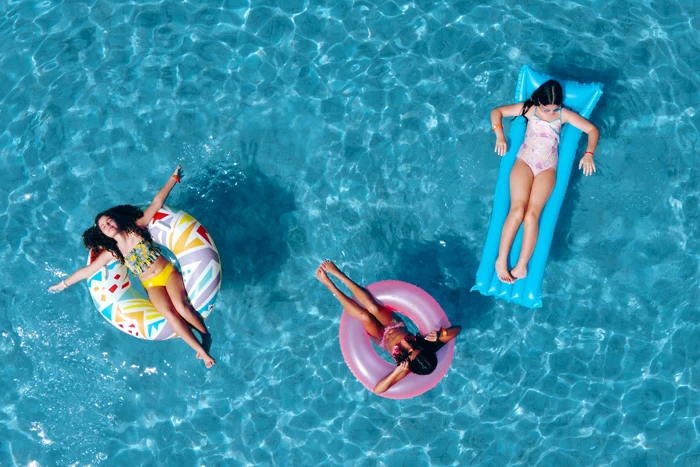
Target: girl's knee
x: 183, y: 310
x: 518, y: 210
x: 532, y: 217
x: 366, y: 318
x: 169, y: 313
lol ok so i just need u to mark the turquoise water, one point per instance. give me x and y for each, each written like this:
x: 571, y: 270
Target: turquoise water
x: 356, y: 131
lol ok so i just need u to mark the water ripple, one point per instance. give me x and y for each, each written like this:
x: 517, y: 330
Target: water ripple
x: 356, y: 131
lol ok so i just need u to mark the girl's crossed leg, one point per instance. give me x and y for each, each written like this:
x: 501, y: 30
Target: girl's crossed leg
x: 374, y: 317
x: 161, y: 300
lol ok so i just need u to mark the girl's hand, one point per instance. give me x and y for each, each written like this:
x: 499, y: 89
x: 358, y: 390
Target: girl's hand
x: 176, y: 174
x: 403, y: 366
x: 432, y: 336
x: 60, y: 287
x: 587, y: 164
x: 501, y: 146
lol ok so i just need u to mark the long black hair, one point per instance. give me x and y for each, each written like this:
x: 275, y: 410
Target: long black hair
x: 547, y: 94
x: 426, y: 361
x: 125, y: 216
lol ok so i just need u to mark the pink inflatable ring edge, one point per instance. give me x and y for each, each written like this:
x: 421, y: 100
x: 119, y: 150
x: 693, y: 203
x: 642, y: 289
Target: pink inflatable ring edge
x: 364, y: 362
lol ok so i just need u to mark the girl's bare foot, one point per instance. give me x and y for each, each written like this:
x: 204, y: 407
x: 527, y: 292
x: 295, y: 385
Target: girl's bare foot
x: 329, y: 266
x: 208, y: 360
x: 502, y: 272
x: 322, y: 276
x: 519, y: 272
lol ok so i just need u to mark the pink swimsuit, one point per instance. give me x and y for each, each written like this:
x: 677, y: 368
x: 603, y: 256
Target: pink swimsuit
x: 539, y: 150
x: 391, y: 327
x: 397, y: 352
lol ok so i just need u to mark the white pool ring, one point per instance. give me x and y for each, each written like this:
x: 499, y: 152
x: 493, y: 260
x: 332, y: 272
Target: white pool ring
x: 129, y: 311
x: 364, y: 362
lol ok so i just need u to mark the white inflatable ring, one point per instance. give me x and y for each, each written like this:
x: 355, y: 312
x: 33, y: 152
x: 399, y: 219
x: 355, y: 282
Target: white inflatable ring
x: 127, y: 310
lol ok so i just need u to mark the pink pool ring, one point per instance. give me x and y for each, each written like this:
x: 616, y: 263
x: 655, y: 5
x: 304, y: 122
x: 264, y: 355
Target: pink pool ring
x: 364, y: 362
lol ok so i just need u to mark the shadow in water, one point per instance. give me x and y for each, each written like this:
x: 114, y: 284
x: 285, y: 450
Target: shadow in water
x: 561, y: 242
x: 560, y: 249
x: 241, y: 208
x: 447, y: 273
x: 613, y: 91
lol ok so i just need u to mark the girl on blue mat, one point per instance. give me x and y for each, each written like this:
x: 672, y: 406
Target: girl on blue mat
x: 535, y: 170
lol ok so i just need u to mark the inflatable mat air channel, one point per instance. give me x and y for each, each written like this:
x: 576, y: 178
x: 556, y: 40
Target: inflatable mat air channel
x: 580, y: 98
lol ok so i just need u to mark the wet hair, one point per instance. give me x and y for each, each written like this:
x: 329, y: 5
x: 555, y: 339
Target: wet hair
x: 426, y: 361
x: 125, y: 216
x: 547, y: 94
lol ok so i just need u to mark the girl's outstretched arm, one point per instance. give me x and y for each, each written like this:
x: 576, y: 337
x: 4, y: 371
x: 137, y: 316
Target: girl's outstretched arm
x: 587, y: 164
x: 443, y: 335
x: 83, y: 273
x: 450, y: 333
x: 392, y: 378
x: 497, y: 115
x: 159, y: 199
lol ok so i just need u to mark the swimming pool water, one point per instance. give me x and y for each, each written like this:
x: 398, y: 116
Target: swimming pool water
x: 356, y: 131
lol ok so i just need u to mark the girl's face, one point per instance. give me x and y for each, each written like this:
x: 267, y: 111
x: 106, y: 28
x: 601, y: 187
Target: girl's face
x: 551, y: 109
x: 108, y: 226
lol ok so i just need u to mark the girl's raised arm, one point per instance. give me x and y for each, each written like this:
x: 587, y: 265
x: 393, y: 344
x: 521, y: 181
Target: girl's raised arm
x: 83, y: 273
x: 443, y: 335
x: 159, y: 199
x: 392, y: 378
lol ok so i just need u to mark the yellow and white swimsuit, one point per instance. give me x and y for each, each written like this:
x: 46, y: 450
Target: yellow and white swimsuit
x: 141, y: 257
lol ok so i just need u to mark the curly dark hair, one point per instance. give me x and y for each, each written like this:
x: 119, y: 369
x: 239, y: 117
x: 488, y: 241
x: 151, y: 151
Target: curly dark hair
x: 125, y: 216
x: 547, y: 94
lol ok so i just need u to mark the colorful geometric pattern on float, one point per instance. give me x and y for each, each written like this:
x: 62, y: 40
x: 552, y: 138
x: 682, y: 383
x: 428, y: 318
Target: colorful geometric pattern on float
x: 199, y: 262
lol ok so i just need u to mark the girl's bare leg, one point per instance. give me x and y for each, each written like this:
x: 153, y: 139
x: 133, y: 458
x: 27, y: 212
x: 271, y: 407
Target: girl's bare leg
x: 178, y: 295
x: 368, y: 301
x: 521, y: 180
x: 161, y: 300
x: 373, y: 327
x: 542, y: 188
